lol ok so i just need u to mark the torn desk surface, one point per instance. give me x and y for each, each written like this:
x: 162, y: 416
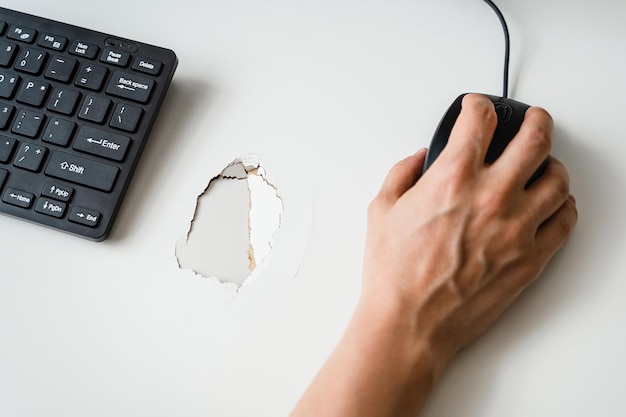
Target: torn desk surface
x: 230, y: 237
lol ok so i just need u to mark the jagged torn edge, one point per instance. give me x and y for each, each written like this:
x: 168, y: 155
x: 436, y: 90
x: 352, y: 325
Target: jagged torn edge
x: 240, y: 168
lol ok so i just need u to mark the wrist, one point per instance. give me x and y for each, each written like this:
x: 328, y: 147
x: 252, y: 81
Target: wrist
x: 410, y: 327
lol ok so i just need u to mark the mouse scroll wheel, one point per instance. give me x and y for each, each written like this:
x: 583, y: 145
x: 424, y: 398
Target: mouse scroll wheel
x: 504, y: 112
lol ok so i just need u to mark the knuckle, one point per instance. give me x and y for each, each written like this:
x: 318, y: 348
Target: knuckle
x: 518, y: 230
x: 561, y: 187
x: 454, y: 184
x: 456, y: 172
x: 539, y: 129
x: 540, y: 137
x: 565, y: 225
x: 568, y: 221
x: 481, y: 107
x: 513, y: 241
x: 557, y: 181
x: 392, y: 174
x: 491, y: 204
x: 376, y: 206
x: 541, y: 113
x: 399, y: 165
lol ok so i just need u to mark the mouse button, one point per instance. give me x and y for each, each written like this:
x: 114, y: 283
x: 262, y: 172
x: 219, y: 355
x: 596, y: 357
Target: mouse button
x: 501, y: 139
x: 502, y: 136
x: 504, y: 112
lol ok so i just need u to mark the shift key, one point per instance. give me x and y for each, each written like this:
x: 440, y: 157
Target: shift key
x: 82, y: 171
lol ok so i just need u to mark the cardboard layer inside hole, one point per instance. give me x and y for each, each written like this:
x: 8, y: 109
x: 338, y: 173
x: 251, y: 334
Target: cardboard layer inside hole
x: 231, y: 234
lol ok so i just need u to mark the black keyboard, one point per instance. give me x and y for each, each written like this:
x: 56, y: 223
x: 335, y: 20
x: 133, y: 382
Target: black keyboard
x: 76, y: 108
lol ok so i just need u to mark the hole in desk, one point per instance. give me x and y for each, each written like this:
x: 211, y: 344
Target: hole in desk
x: 236, y: 216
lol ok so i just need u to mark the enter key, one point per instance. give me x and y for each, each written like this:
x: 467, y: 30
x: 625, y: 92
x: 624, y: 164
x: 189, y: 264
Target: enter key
x: 102, y: 143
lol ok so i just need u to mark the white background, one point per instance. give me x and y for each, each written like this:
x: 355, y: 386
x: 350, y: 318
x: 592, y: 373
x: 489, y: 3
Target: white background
x: 329, y: 94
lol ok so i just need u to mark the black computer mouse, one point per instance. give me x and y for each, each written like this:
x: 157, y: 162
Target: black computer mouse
x: 510, y: 117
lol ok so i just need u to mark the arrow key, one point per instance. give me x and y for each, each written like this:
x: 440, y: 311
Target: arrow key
x: 57, y: 191
x: 84, y: 216
x: 50, y: 207
x: 18, y: 198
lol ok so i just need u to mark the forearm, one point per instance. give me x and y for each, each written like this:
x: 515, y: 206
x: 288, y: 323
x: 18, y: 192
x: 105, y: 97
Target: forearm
x: 446, y: 253
x: 379, y: 368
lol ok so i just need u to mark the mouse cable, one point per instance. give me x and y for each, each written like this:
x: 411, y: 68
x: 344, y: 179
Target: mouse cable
x: 505, y: 89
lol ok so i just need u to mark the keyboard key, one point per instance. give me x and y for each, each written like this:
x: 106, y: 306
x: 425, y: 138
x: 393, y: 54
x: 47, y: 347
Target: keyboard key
x: 79, y: 170
x: 130, y: 86
x: 28, y: 123
x: 84, y: 49
x: 8, y: 83
x: 57, y: 191
x: 118, y: 58
x: 84, y: 216
x: 7, y: 145
x: 61, y: 69
x: 59, y: 131
x: 3, y: 177
x: 63, y: 100
x: 33, y: 92
x: 18, y: 198
x: 126, y: 117
x: 7, y: 52
x: 30, y: 60
x: 50, y: 207
x: 30, y: 156
x: 22, y: 33
x: 94, y: 108
x: 91, y: 77
x: 6, y: 111
x: 102, y: 143
x: 50, y: 41
x: 149, y: 66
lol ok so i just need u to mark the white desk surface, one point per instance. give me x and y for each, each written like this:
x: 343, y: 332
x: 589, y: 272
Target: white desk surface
x: 329, y: 94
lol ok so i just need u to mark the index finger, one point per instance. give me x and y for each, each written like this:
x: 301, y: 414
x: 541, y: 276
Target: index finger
x: 528, y: 149
x: 472, y: 132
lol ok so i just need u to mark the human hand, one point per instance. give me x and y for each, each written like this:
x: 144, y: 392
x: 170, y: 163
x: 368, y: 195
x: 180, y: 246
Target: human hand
x: 446, y: 253
x: 451, y: 250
